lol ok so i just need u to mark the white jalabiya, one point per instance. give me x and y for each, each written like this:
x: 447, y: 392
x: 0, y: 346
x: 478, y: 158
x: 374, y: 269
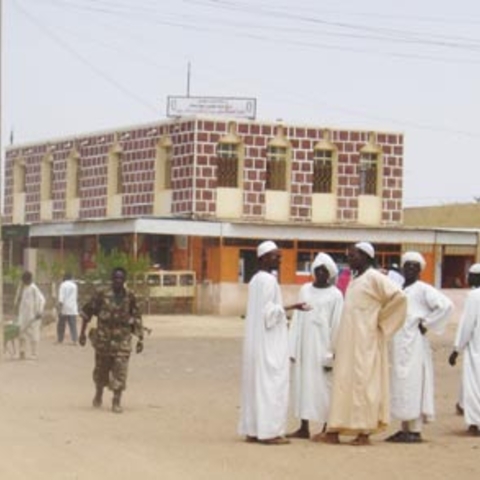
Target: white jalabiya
x: 265, y: 375
x: 412, y: 379
x: 30, y: 307
x: 468, y: 341
x: 312, y: 335
x: 373, y: 311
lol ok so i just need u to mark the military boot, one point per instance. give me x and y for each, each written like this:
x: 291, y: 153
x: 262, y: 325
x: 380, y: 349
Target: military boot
x: 97, y: 400
x: 116, y: 407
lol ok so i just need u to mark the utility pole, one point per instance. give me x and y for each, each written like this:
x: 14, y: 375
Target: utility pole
x: 1, y: 183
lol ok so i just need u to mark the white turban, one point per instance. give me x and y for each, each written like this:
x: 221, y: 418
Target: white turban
x: 414, y: 257
x: 327, y: 261
x: 367, y: 248
x: 475, y: 268
x: 266, y: 247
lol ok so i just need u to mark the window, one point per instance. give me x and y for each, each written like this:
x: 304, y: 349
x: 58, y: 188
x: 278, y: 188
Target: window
x: 47, y: 178
x: 227, y: 165
x: 368, y: 173
x: 322, y: 171
x: 73, y: 175
x: 167, y: 184
x: 163, y: 168
x: 229, y: 159
x: 277, y: 168
x: 116, y: 173
x: 19, y: 176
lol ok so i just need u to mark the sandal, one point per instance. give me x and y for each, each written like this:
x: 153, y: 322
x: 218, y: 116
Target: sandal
x: 361, y: 440
x: 275, y: 441
x: 299, y: 434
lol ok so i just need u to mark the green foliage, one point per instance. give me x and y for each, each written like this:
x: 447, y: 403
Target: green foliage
x: 13, y: 274
x: 52, y: 270
x: 106, y: 262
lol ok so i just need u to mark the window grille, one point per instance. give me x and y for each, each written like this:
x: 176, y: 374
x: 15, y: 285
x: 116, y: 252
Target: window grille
x: 276, y: 168
x: 227, y: 165
x: 20, y: 173
x: 77, y: 178
x: 167, y: 180
x: 322, y: 171
x: 47, y: 179
x: 368, y: 173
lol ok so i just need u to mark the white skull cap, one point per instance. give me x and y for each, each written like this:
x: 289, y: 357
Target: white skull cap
x: 366, y: 248
x: 265, y: 247
x: 414, y: 257
x: 475, y: 268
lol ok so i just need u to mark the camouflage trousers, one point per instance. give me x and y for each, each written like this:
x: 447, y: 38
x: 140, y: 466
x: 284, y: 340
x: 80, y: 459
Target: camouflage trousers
x: 111, y: 371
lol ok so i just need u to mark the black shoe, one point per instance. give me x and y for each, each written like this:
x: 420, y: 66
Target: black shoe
x: 397, y: 437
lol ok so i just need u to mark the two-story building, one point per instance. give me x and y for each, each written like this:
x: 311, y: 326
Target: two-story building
x: 201, y: 193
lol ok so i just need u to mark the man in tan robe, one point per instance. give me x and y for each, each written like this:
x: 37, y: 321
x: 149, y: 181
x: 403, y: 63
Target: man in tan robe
x: 374, y: 309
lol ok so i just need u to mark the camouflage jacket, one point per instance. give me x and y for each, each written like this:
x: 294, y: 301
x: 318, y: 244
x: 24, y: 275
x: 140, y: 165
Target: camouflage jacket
x: 118, y: 317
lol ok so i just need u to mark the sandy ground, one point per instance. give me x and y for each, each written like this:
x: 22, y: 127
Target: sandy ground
x: 181, y: 411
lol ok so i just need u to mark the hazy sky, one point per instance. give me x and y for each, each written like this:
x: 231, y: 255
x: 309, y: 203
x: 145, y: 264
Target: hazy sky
x: 73, y: 66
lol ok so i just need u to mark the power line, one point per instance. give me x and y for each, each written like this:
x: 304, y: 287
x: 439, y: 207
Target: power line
x: 365, y: 32
x: 83, y: 60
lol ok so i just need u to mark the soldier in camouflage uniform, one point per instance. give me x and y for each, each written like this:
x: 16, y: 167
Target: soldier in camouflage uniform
x: 118, y: 318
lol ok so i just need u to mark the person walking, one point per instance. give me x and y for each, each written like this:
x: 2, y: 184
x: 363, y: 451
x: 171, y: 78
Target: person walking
x: 67, y: 309
x: 31, y: 304
x: 118, y: 319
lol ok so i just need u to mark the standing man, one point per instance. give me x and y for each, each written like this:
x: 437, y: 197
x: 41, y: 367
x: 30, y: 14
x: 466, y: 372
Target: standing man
x: 265, y: 375
x: 118, y: 317
x: 31, y: 303
x: 67, y: 308
x: 468, y: 340
x: 373, y: 311
x: 312, y: 338
x: 412, y: 377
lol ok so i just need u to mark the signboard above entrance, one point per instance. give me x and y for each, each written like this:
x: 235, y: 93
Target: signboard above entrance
x: 217, y: 106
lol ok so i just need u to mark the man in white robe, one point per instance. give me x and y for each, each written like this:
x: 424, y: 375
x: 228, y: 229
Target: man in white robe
x: 265, y: 373
x: 412, y: 378
x: 467, y: 341
x: 373, y: 311
x: 312, y: 336
x: 30, y: 303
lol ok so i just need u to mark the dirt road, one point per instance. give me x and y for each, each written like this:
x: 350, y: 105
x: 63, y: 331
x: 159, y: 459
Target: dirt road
x: 181, y: 411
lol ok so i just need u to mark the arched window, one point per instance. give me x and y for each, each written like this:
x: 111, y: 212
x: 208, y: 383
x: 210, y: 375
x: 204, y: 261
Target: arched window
x: 74, y: 177
x: 278, y: 162
x: 47, y: 177
x: 115, y: 169
x: 324, y: 165
x: 163, y: 166
x: 19, y: 176
x: 228, y: 159
x: 370, y: 167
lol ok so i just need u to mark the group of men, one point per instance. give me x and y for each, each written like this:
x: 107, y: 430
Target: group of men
x: 118, y: 319
x: 354, y: 360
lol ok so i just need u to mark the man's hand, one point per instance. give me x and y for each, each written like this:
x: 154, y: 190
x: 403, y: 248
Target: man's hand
x: 139, y: 347
x: 82, y: 339
x: 452, y: 359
